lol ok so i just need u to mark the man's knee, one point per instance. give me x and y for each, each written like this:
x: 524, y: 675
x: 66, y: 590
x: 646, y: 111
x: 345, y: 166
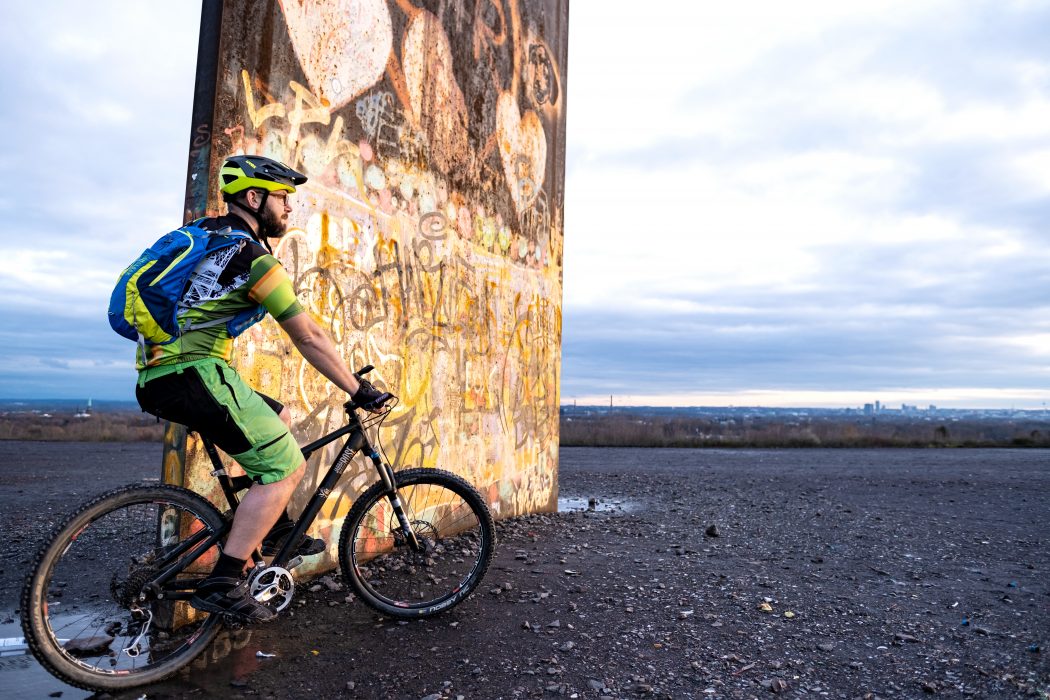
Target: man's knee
x: 293, y: 477
x: 286, y: 416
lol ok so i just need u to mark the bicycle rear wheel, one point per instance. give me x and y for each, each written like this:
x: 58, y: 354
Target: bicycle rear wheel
x: 451, y: 523
x: 86, y: 613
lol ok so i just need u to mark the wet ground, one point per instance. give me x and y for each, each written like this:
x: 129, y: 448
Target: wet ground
x: 669, y: 573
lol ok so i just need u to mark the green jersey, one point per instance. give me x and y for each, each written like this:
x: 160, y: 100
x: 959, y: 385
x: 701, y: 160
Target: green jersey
x: 225, y: 283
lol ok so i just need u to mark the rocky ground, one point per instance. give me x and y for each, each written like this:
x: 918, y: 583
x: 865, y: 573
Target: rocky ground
x: 700, y: 574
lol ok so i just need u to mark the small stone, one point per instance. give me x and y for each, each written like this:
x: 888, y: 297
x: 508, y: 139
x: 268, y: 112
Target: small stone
x: 88, y: 645
x: 827, y: 646
x: 432, y: 696
x: 556, y: 624
x: 778, y: 685
x: 712, y: 531
x: 901, y: 637
x: 331, y: 584
x: 929, y: 687
x: 350, y: 685
x: 596, y: 685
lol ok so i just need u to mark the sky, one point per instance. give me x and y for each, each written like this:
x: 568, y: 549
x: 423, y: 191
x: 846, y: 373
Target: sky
x: 780, y: 204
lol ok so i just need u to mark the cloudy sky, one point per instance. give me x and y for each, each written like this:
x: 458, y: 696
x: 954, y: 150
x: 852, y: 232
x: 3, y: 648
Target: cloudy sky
x: 808, y: 203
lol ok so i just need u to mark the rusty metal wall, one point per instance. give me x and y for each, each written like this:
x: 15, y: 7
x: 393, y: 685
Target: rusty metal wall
x: 429, y: 238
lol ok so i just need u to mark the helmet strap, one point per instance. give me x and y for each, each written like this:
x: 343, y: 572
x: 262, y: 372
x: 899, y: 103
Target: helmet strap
x: 257, y: 213
x: 258, y: 222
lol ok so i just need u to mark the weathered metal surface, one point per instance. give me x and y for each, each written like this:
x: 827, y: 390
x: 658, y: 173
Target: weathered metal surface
x: 429, y: 238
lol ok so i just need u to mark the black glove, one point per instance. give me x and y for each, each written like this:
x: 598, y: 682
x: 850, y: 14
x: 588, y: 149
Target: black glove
x: 367, y: 396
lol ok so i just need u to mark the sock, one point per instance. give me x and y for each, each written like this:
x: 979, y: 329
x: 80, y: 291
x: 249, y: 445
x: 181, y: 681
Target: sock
x: 227, y: 567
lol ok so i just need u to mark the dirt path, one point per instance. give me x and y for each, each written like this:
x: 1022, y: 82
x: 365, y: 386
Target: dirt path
x: 906, y: 573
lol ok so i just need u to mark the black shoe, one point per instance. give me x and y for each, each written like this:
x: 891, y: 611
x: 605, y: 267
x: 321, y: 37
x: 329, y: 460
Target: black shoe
x: 274, y: 540
x: 230, y: 596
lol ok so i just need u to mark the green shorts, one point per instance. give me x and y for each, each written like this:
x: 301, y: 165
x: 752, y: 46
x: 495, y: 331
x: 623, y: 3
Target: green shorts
x: 209, y: 397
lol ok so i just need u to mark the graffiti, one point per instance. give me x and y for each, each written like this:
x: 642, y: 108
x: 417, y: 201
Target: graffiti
x: 427, y: 241
x: 541, y: 77
x: 379, y: 121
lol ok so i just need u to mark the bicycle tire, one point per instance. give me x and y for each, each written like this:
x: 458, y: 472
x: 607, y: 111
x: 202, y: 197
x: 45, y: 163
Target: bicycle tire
x: 361, y: 555
x: 73, y: 538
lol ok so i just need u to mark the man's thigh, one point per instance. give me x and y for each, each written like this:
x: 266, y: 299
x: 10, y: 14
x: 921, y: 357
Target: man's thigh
x: 213, y: 400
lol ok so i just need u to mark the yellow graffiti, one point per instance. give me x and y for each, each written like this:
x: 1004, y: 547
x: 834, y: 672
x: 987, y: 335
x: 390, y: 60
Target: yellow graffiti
x: 425, y: 245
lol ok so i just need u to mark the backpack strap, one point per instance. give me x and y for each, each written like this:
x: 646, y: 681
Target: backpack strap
x: 229, y: 232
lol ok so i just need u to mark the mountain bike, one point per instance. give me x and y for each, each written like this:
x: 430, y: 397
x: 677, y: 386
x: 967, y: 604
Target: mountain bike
x: 105, y: 606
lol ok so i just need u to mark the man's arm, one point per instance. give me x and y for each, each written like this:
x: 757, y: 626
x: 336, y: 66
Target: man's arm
x: 319, y: 350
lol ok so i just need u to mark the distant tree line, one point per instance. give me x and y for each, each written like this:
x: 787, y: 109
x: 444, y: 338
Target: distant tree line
x: 640, y: 430
x: 631, y: 430
x: 103, y: 426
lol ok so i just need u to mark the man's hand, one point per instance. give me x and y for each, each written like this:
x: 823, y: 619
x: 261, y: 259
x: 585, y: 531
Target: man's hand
x: 368, y: 397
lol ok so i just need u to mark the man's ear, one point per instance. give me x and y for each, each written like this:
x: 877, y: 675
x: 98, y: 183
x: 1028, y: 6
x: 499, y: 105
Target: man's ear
x: 253, y: 198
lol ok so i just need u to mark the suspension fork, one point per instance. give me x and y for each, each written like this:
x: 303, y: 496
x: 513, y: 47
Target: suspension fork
x: 390, y: 482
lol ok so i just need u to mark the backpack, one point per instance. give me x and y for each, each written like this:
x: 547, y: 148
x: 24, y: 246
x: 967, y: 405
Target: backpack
x: 147, y: 300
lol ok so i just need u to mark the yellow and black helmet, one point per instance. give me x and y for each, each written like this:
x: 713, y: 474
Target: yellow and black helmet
x: 240, y: 173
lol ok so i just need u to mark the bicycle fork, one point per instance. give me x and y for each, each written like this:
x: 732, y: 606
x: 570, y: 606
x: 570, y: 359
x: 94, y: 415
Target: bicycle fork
x: 387, y: 475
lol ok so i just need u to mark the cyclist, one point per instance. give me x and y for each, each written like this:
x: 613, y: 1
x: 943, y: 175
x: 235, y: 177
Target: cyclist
x: 190, y: 381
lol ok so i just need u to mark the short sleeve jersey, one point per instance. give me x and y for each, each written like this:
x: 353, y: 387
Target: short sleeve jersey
x: 225, y: 283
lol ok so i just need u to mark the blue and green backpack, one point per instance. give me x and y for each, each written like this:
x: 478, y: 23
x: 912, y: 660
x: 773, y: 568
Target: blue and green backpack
x: 147, y: 300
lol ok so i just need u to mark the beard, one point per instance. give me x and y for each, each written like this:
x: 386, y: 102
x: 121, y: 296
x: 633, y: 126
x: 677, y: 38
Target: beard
x: 271, y: 224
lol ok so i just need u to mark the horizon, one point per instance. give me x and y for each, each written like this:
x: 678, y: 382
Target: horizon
x: 885, y: 407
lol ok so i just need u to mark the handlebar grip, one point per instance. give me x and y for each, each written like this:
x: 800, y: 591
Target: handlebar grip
x: 364, y: 370
x: 378, y: 403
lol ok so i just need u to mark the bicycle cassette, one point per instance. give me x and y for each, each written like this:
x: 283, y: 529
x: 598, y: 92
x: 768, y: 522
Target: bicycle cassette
x: 272, y: 586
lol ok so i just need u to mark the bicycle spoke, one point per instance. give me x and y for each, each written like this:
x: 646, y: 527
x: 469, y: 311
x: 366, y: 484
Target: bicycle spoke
x: 447, y: 530
x: 92, y: 587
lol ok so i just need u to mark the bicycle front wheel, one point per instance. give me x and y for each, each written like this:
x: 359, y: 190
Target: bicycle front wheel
x: 455, y: 539
x: 88, y: 614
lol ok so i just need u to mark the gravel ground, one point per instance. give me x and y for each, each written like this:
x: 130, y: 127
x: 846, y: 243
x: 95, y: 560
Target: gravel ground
x: 701, y: 573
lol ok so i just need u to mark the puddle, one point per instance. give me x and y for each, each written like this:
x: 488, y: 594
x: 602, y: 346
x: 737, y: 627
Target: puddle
x: 604, y: 505
x: 20, y: 674
x: 229, y: 660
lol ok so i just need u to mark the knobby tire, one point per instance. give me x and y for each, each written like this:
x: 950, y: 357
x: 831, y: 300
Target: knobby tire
x: 36, y: 603
x: 447, y: 514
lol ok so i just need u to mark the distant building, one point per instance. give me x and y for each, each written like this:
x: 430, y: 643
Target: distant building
x: 869, y: 409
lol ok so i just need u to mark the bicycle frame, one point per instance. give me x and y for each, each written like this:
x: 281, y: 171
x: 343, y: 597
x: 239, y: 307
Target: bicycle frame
x: 194, y: 546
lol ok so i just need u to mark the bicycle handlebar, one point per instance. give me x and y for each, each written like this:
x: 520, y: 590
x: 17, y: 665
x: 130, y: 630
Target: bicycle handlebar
x: 378, y: 403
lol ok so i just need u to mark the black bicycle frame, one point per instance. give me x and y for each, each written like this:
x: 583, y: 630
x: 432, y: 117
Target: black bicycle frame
x: 188, y: 550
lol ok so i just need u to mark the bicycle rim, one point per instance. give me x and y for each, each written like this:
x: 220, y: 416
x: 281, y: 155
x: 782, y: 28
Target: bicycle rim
x: 88, y: 616
x: 453, y: 528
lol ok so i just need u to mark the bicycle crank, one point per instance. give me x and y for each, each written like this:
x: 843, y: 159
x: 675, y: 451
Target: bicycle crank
x: 272, y: 586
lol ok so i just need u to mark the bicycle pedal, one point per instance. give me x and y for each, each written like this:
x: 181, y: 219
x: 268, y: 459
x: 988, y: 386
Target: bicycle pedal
x: 292, y: 563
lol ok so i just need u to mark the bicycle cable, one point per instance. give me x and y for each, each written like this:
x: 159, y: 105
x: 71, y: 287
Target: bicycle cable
x: 377, y: 422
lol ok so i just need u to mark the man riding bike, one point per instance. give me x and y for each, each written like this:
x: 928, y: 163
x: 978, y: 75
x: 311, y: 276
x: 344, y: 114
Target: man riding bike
x: 190, y: 381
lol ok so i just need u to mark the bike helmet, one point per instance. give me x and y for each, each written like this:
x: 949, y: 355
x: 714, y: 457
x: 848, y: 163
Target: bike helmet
x: 240, y: 173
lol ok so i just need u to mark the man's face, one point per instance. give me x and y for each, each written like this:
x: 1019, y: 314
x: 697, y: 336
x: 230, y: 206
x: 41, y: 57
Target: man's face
x: 273, y: 219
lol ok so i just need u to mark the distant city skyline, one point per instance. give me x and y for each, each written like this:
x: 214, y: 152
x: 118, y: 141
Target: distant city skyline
x: 806, y: 204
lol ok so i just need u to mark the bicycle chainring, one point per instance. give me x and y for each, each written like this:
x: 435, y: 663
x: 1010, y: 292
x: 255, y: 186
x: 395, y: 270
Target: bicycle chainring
x: 272, y: 586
